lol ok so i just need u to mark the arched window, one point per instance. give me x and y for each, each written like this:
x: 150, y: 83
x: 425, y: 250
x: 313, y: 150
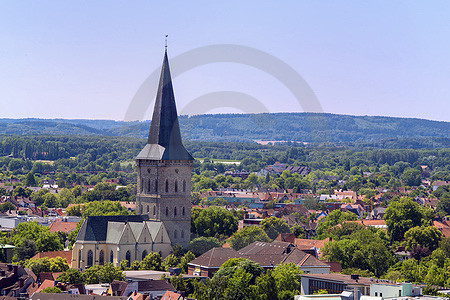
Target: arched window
x: 101, y: 258
x: 128, y: 258
x: 167, y: 211
x: 183, y: 211
x: 167, y: 186
x: 154, y: 210
x: 144, y: 254
x: 90, y: 258
x: 79, y: 259
x: 175, y: 234
x: 149, y: 187
x: 175, y: 212
x: 176, y: 186
x: 182, y: 234
x: 142, y: 185
x: 184, y: 186
x: 156, y: 185
x: 141, y: 210
x: 148, y: 208
x: 111, y: 257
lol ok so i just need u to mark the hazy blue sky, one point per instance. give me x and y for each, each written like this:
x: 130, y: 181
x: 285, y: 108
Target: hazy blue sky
x: 87, y: 59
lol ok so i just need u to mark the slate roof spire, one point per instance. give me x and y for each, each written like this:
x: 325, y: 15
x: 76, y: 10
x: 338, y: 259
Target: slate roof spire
x: 165, y: 129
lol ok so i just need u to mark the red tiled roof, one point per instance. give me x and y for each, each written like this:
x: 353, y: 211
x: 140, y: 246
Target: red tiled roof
x: 62, y: 226
x: 47, y: 283
x: 171, y: 296
x: 67, y: 255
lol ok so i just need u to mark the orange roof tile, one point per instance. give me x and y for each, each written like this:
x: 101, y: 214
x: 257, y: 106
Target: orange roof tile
x: 62, y: 226
x: 67, y: 255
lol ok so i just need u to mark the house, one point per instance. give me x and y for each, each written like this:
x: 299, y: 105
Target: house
x: 388, y: 289
x: 437, y: 184
x: 14, y: 279
x: 316, y: 245
x: 62, y: 226
x: 151, y: 288
x: 172, y: 296
x: 377, y: 213
x: 66, y: 254
x: 66, y: 296
x: 267, y: 255
x: 335, y: 283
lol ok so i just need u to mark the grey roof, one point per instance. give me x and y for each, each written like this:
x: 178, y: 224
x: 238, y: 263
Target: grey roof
x: 164, y: 139
x: 95, y: 228
x: 136, y: 228
x: 114, y: 232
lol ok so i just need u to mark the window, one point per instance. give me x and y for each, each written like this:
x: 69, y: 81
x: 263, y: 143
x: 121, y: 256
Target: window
x: 376, y: 294
x: 149, y: 187
x: 184, y: 186
x: 175, y: 234
x: 175, y: 212
x: 144, y: 254
x: 79, y: 259
x: 128, y: 258
x: 167, y: 186
x: 90, y: 258
x: 148, y: 208
x: 167, y: 211
x: 156, y: 185
x: 182, y: 234
x: 183, y: 211
x: 381, y: 294
x: 111, y: 257
x: 154, y: 210
x: 176, y: 186
x: 142, y: 185
x: 101, y: 258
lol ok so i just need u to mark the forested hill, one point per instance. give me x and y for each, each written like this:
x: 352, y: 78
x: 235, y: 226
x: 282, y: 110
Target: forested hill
x: 300, y: 127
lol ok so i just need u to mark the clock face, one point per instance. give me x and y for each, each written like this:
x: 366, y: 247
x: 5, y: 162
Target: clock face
x: 149, y: 170
x: 176, y: 171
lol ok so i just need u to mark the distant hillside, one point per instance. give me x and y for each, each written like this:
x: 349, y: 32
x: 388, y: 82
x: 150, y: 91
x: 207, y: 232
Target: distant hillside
x: 300, y: 127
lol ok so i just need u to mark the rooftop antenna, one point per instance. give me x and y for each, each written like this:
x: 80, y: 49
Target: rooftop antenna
x: 166, y: 41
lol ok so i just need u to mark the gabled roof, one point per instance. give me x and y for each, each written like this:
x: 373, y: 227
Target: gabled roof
x: 164, y: 139
x: 67, y: 255
x: 95, y: 228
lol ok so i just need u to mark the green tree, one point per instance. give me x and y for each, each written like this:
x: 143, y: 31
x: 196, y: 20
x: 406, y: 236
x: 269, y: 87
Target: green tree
x: 45, y: 264
x: 405, y: 214
x: 187, y: 258
x: 412, y: 177
x: 30, y: 180
x: 287, y: 279
x: 247, y: 235
x: 266, y: 287
x: 71, y: 276
x: 332, y: 219
x: 424, y: 236
x: 171, y: 261
x: 52, y: 290
x: 273, y: 226
x: 202, y: 244
x: 213, y: 221
x: 152, y: 261
x: 299, y: 231
x: 41, y: 235
x: 25, y: 250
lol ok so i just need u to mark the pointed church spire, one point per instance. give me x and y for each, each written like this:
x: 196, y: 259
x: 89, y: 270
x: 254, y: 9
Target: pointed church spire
x: 165, y: 129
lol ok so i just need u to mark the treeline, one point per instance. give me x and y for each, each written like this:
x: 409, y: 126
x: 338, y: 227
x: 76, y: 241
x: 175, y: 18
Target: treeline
x: 302, y: 127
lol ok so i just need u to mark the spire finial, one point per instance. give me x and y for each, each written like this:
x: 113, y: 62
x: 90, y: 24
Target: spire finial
x: 166, y: 41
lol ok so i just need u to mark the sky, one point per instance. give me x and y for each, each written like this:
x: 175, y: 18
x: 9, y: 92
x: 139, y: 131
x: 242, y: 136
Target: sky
x: 95, y: 59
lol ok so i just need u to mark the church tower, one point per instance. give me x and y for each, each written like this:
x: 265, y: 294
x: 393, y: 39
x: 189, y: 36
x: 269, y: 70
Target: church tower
x: 164, y: 167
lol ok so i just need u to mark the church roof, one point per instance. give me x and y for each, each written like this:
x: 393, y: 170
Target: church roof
x: 95, y: 228
x: 164, y: 139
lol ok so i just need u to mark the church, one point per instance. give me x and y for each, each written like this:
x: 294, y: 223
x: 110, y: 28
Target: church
x: 163, y: 201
